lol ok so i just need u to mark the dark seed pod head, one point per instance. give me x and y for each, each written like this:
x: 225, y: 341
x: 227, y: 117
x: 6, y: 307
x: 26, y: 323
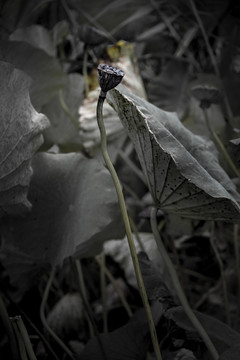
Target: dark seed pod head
x: 109, y: 77
x: 207, y: 90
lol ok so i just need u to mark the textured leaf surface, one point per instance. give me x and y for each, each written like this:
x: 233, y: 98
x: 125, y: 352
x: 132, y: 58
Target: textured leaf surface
x: 47, y: 76
x: 183, y: 175
x: 20, y: 137
x: 74, y: 211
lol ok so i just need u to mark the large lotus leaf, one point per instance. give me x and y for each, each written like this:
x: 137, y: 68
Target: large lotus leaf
x: 45, y: 71
x: 183, y: 175
x: 20, y: 137
x: 74, y: 211
x: 64, y: 130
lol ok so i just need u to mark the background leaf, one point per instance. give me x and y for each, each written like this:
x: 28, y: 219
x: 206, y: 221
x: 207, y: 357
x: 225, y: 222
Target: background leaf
x: 221, y: 334
x: 20, y: 128
x: 45, y: 71
x: 183, y: 175
x: 129, y: 342
x: 74, y: 211
x: 63, y: 130
x: 37, y: 36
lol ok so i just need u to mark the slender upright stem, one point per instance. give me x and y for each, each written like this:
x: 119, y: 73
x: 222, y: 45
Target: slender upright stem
x: 220, y: 145
x: 9, y: 331
x: 43, y: 318
x: 21, y: 345
x: 25, y: 337
x: 83, y: 294
x: 127, y: 226
x: 116, y: 287
x: 181, y: 295
x: 221, y: 267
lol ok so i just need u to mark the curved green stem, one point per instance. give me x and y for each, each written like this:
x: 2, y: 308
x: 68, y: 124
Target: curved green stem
x: 181, y: 295
x: 43, y: 318
x: 127, y: 227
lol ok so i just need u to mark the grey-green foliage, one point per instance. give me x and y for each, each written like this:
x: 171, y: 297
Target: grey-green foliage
x: 183, y: 174
x: 45, y: 71
x: 74, y: 211
x: 20, y: 138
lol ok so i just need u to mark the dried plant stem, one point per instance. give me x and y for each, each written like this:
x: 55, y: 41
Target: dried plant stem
x: 8, y: 329
x: 43, y: 318
x: 21, y: 346
x: 24, y: 334
x: 127, y: 227
x: 116, y: 287
x: 83, y: 294
x: 220, y: 145
x: 181, y: 295
x: 220, y: 264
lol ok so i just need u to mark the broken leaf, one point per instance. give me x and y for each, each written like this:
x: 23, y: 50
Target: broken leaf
x: 20, y: 137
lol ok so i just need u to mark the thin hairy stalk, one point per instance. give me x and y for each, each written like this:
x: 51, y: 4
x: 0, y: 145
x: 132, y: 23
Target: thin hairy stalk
x: 181, y: 295
x: 116, y: 287
x: 25, y: 337
x: 127, y: 227
x: 83, y: 293
x: 43, y: 318
x: 220, y: 145
x: 237, y: 259
x: 211, y: 54
x: 221, y: 268
x: 9, y: 331
x: 67, y: 110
